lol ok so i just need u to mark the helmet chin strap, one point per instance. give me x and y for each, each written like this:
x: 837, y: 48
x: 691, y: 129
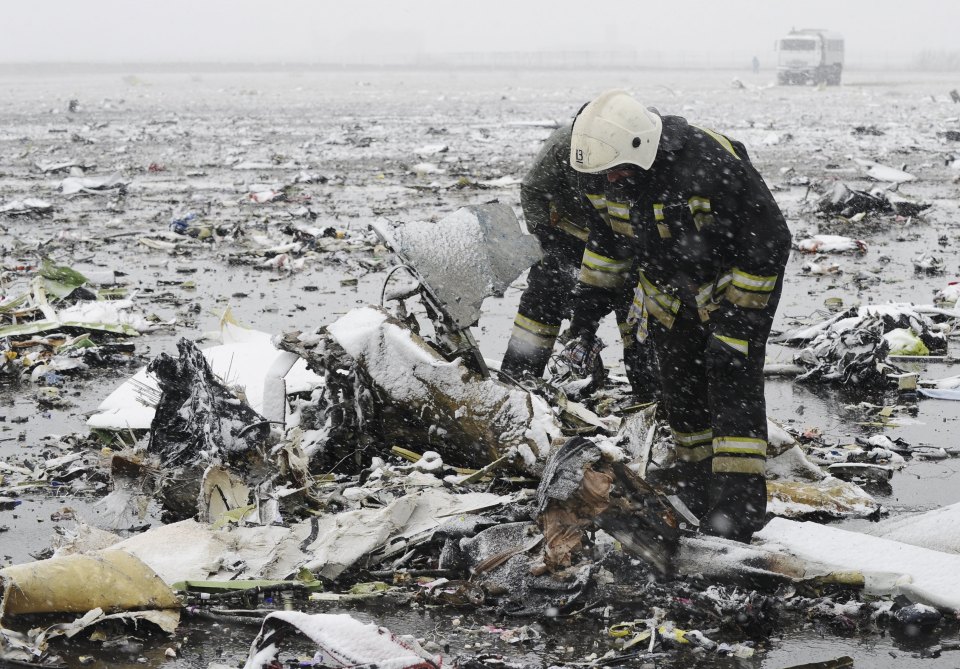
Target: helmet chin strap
x: 620, y: 173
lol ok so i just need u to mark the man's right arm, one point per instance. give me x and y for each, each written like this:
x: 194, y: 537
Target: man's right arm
x: 542, y: 182
x: 545, y: 180
x: 607, y: 260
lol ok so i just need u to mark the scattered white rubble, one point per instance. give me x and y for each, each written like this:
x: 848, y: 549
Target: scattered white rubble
x: 831, y: 244
x: 880, y: 172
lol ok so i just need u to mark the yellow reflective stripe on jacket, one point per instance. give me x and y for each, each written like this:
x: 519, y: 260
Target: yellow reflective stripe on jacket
x: 658, y: 312
x: 760, y: 284
x: 722, y: 283
x: 601, y: 271
x: 624, y: 228
x: 701, y: 210
x: 746, y: 299
x: 619, y: 218
x: 619, y: 210
x: 533, y: 339
x: 598, y: 201
x: 740, y: 446
x: 658, y: 216
x: 573, y: 229
x: 727, y: 465
x: 741, y: 345
x: 699, y: 204
x: 704, y: 294
x: 661, y: 306
x: 707, y: 299
x: 656, y: 294
x: 721, y: 140
x: 603, y: 263
x: 536, y: 327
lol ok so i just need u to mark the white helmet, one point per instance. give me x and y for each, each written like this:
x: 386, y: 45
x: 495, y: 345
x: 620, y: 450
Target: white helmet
x: 612, y: 130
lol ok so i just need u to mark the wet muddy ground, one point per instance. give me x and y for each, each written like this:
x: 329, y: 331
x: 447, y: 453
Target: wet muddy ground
x: 417, y: 145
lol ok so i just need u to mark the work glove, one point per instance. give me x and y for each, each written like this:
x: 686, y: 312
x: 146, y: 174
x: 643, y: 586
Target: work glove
x: 582, y: 355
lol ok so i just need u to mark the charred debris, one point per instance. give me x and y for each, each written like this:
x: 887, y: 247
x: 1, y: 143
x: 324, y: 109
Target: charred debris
x: 378, y: 461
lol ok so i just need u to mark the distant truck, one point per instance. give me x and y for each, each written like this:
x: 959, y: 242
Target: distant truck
x: 810, y: 56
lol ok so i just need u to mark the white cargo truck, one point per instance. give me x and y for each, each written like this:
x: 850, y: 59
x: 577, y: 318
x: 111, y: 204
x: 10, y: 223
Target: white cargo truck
x: 810, y: 56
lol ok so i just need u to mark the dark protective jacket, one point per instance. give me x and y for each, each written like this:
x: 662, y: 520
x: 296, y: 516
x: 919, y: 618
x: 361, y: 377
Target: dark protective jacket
x: 700, y: 225
x: 551, y: 193
x: 557, y: 206
x: 709, y: 245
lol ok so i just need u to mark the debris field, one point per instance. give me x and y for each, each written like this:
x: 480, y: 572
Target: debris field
x: 231, y: 438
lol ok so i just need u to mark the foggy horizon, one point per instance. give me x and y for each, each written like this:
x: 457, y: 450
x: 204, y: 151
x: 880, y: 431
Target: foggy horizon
x: 365, y: 32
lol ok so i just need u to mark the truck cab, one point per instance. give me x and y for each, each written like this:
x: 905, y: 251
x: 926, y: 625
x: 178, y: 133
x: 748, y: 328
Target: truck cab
x: 810, y: 56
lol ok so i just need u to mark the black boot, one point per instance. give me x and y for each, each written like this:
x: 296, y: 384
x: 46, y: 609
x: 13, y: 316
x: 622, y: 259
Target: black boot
x: 522, y: 361
x: 738, y: 506
x: 693, y: 480
x: 643, y: 371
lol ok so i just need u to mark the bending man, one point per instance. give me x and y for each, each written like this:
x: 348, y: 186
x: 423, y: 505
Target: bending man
x: 559, y: 203
x: 687, y: 211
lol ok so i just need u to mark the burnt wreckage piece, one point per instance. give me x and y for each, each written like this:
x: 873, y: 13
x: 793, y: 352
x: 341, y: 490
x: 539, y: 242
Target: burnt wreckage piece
x: 199, y: 422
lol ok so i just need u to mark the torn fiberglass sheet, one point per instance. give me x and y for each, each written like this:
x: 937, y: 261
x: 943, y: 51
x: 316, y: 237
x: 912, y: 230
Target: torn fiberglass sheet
x: 889, y: 567
x: 74, y: 185
x: 327, y: 545
x: 341, y: 641
x: 797, y: 488
x: 937, y: 530
x: 26, y: 207
x: 115, y: 316
x: 192, y: 551
x: 941, y: 393
x: 343, y: 538
x: 880, y: 172
x: 112, y: 579
x: 852, y: 318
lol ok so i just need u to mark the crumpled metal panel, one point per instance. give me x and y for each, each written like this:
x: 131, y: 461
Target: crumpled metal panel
x: 476, y: 252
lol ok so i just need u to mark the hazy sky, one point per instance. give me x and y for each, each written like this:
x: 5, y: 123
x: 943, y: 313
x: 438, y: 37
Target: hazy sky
x: 300, y: 30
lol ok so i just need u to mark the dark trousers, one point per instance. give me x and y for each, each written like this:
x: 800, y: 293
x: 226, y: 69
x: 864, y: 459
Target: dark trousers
x: 714, y: 401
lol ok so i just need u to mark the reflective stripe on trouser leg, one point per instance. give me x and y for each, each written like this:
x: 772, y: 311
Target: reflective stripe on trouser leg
x: 683, y: 379
x: 694, y: 446
x: 737, y: 402
x: 739, y: 455
x: 530, y: 346
x: 533, y: 339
